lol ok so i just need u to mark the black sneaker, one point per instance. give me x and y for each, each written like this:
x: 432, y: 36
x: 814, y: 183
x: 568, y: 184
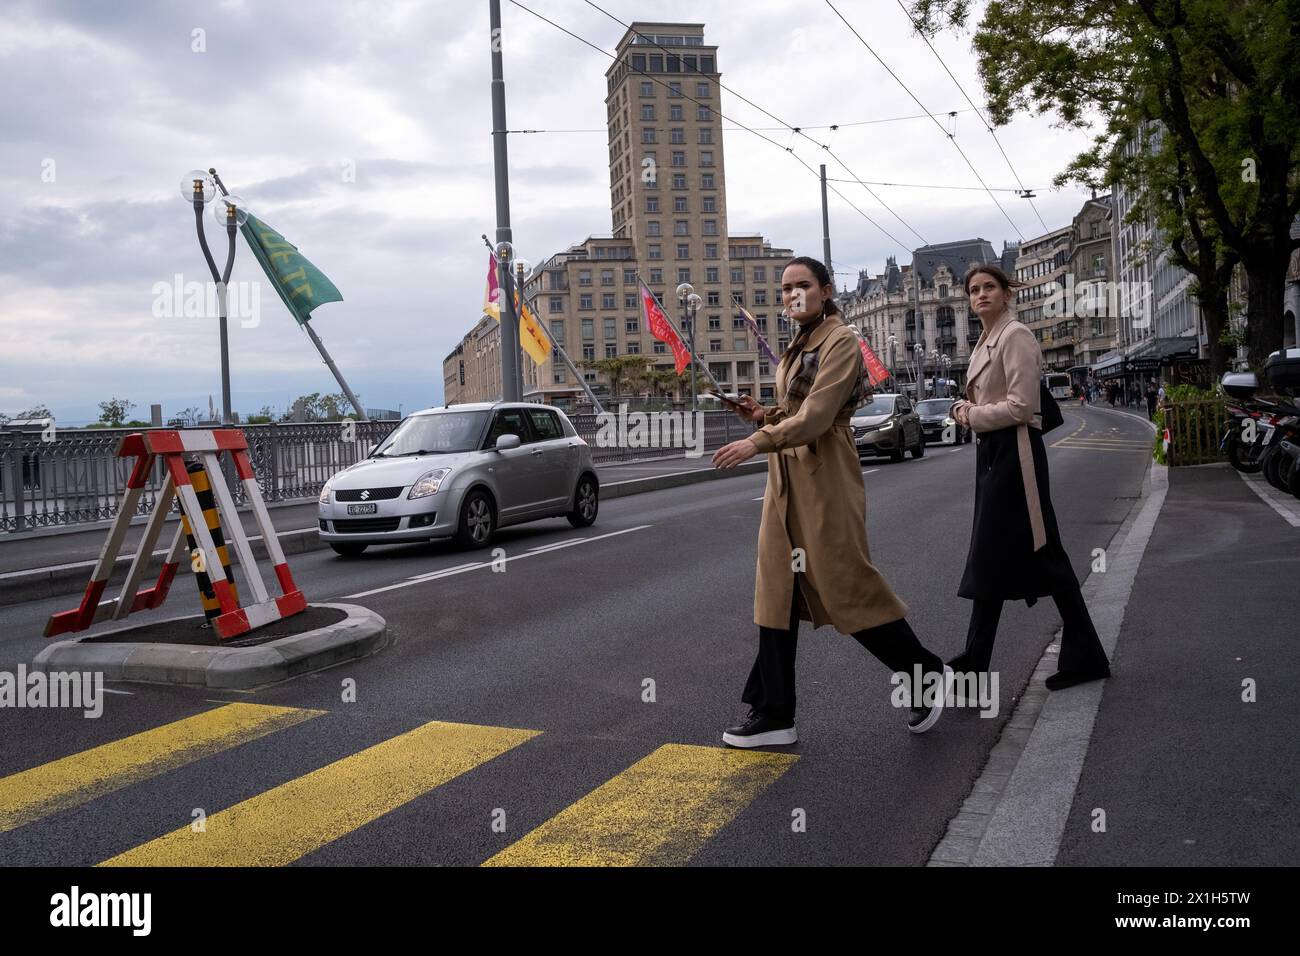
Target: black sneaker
x: 923, y: 718
x: 759, y: 730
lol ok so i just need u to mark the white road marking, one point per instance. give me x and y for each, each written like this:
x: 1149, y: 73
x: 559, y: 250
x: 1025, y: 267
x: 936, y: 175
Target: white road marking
x: 462, y: 569
x: 1285, y: 505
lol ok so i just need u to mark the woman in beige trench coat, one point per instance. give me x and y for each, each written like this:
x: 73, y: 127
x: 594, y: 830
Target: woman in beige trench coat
x: 813, y: 560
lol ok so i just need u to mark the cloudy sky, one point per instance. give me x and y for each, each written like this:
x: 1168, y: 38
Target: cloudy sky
x: 362, y: 132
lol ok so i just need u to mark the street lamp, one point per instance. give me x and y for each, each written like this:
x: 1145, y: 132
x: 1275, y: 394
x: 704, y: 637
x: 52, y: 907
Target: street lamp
x: 892, y: 343
x: 934, y: 357
x: 688, y: 301
x: 918, y: 362
x: 200, y: 189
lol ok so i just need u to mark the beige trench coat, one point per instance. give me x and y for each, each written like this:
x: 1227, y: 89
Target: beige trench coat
x: 815, y: 498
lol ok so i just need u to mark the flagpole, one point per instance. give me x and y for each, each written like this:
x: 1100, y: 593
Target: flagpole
x: 338, y: 376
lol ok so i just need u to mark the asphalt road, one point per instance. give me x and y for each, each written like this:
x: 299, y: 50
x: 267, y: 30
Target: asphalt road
x: 512, y: 695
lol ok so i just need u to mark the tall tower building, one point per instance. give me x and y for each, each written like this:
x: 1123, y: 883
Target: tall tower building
x: 668, y: 225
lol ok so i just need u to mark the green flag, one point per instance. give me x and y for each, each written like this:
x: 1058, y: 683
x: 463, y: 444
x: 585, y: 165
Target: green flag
x: 301, y: 285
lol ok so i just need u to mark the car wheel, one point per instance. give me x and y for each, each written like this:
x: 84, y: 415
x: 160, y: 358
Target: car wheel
x: 348, y: 549
x: 586, y: 503
x: 919, y: 450
x: 477, y: 521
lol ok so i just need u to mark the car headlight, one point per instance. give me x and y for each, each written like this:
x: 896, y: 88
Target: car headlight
x: 325, y: 492
x: 429, y: 483
x: 887, y: 426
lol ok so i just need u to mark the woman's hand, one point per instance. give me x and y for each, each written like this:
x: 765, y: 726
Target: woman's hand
x: 729, y: 456
x: 749, y: 410
x: 959, y: 413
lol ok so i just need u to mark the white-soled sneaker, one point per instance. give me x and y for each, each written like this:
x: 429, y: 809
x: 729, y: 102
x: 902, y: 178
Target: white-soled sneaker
x: 759, y: 730
x: 923, y: 718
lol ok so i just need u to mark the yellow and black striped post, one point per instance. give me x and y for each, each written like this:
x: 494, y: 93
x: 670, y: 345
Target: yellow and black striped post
x: 203, y: 491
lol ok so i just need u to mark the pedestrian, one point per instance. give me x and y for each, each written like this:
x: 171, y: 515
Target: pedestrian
x: 1151, y: 399
x: 814, y: 563
x: 1015, y: 549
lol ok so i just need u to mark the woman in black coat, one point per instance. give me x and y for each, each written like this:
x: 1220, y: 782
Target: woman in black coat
x: 1015, y: 549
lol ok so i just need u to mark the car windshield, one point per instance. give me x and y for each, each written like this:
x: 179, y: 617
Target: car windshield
x: 876, y: 405
x: 438, y: 434
x: 934, y: 406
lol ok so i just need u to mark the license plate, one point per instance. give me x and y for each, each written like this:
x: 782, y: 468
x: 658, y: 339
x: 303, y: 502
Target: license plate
x: 363, y: 509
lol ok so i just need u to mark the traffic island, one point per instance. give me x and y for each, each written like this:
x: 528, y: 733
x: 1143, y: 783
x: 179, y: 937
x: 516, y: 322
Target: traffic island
x: 185, y: 651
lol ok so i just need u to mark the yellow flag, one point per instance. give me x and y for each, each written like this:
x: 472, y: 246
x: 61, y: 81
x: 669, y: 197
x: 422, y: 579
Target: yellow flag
x: 534, y: 341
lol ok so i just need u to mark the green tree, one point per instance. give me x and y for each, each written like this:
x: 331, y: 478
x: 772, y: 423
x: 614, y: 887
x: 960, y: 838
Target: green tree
x: 113, y: 411
x: 1220, y: 79
x: 621, y: 371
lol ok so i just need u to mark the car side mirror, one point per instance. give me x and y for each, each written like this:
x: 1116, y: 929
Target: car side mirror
x: 506, y: 442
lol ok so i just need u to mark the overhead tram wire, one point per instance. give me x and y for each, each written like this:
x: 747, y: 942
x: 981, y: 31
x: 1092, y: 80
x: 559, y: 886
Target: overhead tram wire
x: 1026, y: 193
x: 768, y: 139
x: 769, y: 129
x: 978, y: 189
x: 794, y: 130
x: 952, y: 139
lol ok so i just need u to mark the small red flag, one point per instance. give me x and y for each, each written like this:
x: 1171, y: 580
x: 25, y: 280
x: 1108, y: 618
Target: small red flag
x: 662, y: 328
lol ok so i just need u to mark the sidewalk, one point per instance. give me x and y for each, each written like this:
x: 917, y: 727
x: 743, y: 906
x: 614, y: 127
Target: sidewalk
x: 1185, y: 756
x: 1189, y: 774
x: 58, y: 561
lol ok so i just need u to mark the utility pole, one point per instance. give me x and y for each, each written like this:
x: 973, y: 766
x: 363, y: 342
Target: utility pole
x: 511, y: 386
x: 826, y: 229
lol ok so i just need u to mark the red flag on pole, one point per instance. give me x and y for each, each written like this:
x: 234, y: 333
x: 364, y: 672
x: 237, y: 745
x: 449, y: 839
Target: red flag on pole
x: 876, y: 371
x: 661, y: 327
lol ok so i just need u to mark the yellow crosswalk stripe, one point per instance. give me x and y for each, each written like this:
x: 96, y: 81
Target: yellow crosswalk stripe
x: 289, y: 821
x: 659, y: 811
x: 80, y: 778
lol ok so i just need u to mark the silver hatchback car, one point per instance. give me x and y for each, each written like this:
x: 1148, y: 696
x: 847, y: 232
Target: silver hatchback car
x: 462, y: 472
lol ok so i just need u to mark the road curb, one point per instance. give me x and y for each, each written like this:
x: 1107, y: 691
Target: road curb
x: 360, y: 634
x: 19, y: 587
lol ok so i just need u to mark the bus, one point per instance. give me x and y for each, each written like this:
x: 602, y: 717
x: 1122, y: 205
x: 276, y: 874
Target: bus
x: 1058, y: 383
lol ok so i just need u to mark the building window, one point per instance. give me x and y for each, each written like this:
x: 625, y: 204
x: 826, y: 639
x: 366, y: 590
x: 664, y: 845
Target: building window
x: 760, y: 297
x: 679, y: 204
x: 683, y: 275
x: 652, y: 227
x: 704, y: 114
x: 657, y: 276
x: 651, y: 203
x: 943, y: 292
x: 629, y: 277
x: 711, y: 251
x: 629, y: 300
x: 611, y: 350
x: 737, y: 322
x: 648, y: 134
x: 674, y: 89
x: 762, y: 327
x: 715, y: 345
x: 715, y: 323
x: 706, y: 64
x: 658, y: 347
x: 711, y: 274
x: 607, y: 300
x: 683, y: 250
x: 675, y: 112
x: 632, y: 326
x: 638, y: 62
x: 656, y: 63
x: 706, y: 157
x: 679, y: 158
x: 740, y: 343
x: 679, y: 180
x: 737, y: 274
x: 588, y: 351
x: 648, y: 112
x: 584, y: 301
x: 606, y: 276
x: 714, y: 297
x: 633, y: 348
x: 709, y: 204
x: 706, y: 135
x: 738, y: 296
x: 557, y: 376
x: 656, y: 251
x: 702, y: 90
x: 706, y: 180
x: 588, y: 328
x: 611, y: 332
x: 584, y: 277
x: 647, y: 88
x: 681, y: 227
x: 760, y: 273
x: 557, y: 303
x: 678, y: 135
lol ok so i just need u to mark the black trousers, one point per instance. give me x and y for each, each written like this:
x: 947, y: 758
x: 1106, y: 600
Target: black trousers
x: 1081, y: 649
x: 770, y: 688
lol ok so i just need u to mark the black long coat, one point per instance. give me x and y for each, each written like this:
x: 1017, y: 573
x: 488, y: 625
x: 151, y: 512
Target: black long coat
x: 1015, y: 548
